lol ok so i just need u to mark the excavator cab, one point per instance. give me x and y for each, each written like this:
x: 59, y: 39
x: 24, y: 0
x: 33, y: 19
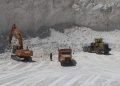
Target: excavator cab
x: 99, y: 40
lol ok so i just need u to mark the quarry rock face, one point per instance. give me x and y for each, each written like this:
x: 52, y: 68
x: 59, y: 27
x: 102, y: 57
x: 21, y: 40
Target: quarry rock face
x: 36, y: 17
x: 32, y: 14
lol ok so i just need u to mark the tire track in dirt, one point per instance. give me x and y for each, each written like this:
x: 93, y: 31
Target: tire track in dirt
x: 31, y: 80
x: 72, y: 81
x: 11, y: 78
x: 89, y: 80
x: 57, y: 81
x: 11, y: 83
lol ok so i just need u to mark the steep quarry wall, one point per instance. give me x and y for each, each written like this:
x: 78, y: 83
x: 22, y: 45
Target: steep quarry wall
x: 35, y: 17
x: 32, y: 14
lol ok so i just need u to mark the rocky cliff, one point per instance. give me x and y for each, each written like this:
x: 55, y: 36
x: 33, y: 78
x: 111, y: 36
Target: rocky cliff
x: 32, y: 14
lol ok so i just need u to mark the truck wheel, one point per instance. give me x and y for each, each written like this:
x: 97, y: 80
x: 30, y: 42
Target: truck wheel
x: 62, y: 64
x: 29, y: 59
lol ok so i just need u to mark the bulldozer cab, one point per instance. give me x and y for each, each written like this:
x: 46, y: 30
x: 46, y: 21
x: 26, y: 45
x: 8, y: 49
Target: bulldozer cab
x: 99, y: 40
x: 99, y: 43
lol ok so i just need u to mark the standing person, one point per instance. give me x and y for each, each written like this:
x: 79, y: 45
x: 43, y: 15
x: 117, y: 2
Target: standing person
x: 51, y: 56
x: 15, y: 38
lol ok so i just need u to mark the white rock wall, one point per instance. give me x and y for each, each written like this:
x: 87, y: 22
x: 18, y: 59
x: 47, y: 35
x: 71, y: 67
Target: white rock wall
x: 31, y: 14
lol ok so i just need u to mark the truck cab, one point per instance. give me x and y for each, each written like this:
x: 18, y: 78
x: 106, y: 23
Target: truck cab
x: 65, y: 57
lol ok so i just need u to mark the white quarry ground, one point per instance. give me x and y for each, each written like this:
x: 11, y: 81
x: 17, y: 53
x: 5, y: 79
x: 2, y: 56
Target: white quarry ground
x: 91, y: 69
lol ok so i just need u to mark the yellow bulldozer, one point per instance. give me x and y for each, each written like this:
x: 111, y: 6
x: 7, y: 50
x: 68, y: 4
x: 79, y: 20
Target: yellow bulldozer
x: 98, y: 47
